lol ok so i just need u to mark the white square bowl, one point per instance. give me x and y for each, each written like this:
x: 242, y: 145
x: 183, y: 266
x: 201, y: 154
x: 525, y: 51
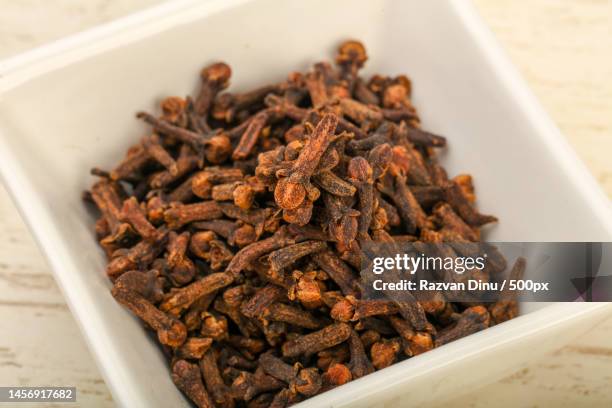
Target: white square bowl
x: 69, y: 106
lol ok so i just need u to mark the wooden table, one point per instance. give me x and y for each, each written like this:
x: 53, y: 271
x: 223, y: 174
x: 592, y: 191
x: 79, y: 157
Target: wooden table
x: 562, y: 47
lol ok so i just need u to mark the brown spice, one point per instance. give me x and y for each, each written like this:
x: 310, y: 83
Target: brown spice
x: 187, y: 378
x: 320, y: 340
x: 235, y: 231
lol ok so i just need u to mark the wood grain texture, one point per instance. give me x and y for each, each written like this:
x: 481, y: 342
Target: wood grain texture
x: 561, y: 47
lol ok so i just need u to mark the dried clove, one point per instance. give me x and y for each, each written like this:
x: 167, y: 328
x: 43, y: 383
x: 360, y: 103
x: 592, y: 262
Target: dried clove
x: 236, y: 230
x: 187, y: 378
x: 320, y: 340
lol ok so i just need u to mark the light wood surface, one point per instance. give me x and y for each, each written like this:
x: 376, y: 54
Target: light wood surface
x: 561, y: 47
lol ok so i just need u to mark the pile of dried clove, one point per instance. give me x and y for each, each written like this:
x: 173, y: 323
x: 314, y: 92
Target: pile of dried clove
x: 233, y: 230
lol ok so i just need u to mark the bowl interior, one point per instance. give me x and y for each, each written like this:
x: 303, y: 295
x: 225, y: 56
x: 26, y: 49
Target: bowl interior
x: 63, y: 121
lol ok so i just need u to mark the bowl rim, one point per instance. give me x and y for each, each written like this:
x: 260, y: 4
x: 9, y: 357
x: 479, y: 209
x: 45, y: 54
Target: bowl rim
x: 19, y: 69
